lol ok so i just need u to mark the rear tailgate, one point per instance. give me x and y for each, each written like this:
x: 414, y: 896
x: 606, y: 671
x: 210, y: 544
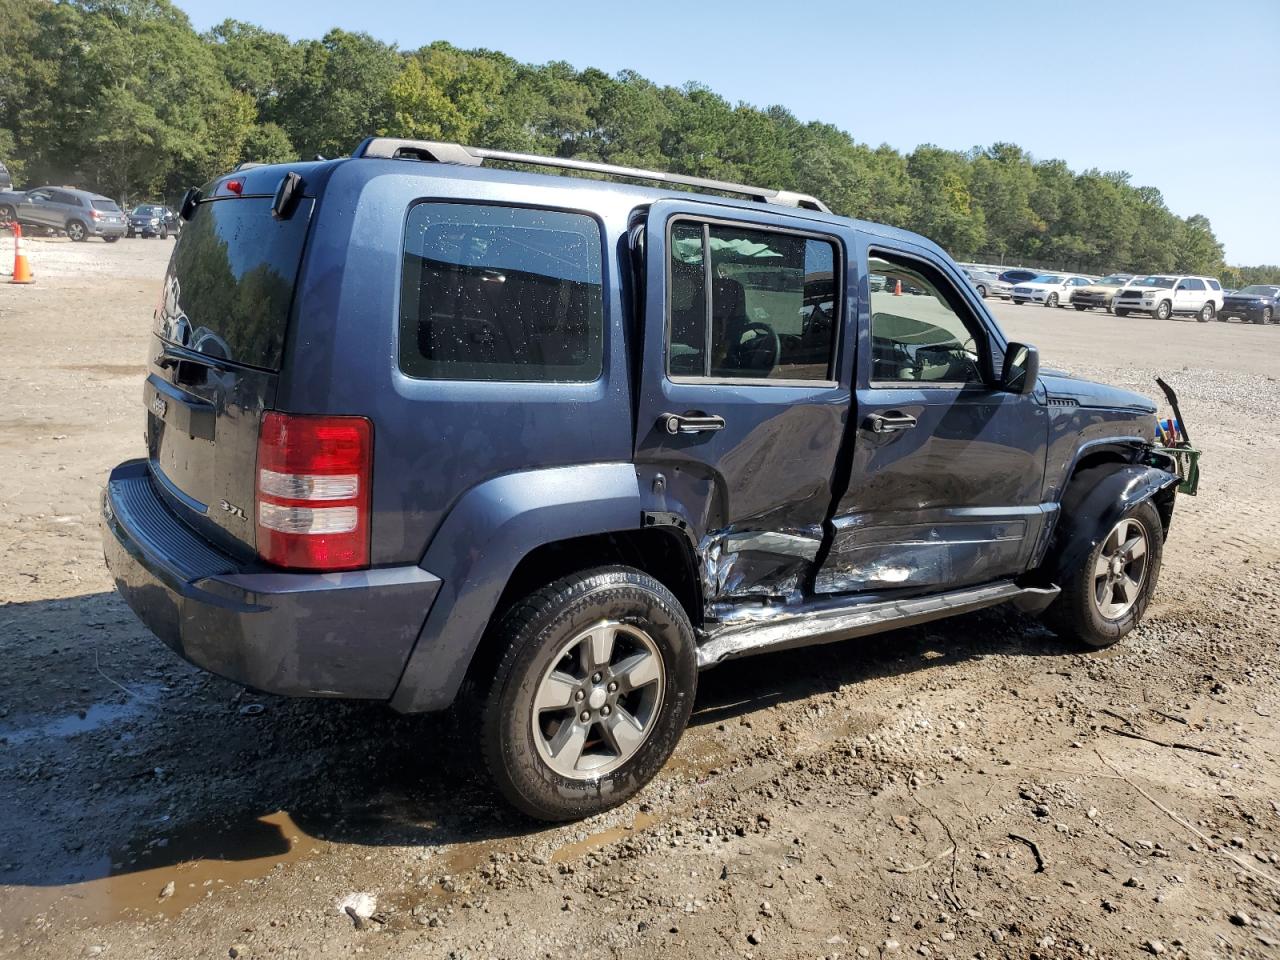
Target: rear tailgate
x: 216, y: 356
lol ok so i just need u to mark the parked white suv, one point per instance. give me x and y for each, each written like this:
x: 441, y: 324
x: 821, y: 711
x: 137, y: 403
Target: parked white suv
x: 1049, y: 289
x: 1164, y: 296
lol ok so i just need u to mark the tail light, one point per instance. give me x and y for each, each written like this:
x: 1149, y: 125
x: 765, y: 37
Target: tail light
x: 313, y: 491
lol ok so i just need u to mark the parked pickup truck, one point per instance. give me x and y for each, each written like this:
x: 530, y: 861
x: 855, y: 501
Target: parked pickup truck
x: 541, y: 448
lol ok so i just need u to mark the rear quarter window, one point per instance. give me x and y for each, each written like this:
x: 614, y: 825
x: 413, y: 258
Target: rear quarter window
x: 501, y: 293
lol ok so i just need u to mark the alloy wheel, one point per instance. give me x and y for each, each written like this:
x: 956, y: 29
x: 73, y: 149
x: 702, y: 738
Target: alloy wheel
x: 1120, y: 572
x: 598, y: 701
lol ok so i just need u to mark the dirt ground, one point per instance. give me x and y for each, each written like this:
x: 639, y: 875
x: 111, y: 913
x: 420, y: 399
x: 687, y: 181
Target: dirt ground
x: 973, y: 788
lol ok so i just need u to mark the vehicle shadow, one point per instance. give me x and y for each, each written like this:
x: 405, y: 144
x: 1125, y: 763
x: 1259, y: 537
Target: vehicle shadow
x: 120, y: 759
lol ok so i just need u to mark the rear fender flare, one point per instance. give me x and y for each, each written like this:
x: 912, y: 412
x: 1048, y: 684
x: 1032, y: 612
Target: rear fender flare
x: 1094, y: 502
x: 480, y: 543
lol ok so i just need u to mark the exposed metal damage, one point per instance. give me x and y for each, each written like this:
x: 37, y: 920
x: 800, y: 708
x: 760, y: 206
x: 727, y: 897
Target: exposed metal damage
x: 758, y: 563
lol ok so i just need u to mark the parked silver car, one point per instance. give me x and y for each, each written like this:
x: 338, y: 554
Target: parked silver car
x: 989, y: 285
x: 78, y: 213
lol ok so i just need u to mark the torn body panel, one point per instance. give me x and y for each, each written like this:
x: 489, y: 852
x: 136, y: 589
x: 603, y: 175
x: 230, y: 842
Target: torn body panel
x: 758, y: 563
x: 950, y: 552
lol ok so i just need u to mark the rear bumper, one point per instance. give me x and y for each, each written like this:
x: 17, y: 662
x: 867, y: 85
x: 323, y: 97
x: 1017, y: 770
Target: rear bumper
x: 294, y: 634
x: 106, y: 229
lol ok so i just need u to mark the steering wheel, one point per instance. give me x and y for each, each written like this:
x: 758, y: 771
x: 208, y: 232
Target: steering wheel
x: 761, y: 352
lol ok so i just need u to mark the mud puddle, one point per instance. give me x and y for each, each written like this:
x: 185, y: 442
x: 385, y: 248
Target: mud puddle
x: 134, y: 882
x: 94, y: 717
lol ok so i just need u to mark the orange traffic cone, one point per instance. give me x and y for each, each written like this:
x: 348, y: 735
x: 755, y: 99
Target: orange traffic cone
x: 21, y: 269
x: 897, y: 288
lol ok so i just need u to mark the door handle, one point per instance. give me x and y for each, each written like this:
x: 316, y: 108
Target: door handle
x: 675, y: 423
x: 889, y: 422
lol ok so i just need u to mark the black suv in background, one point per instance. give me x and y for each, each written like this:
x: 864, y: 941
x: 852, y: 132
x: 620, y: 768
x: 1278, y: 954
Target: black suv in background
x: 153, y: 220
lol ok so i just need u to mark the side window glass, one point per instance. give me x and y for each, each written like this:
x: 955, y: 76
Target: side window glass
x: 773, y: 307
x: 1195, y: 284
x: 917, y: 335
x: 501, y: 293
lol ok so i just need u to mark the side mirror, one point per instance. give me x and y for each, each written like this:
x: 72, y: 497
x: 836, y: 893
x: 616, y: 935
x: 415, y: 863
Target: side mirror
x: 1021, y: 368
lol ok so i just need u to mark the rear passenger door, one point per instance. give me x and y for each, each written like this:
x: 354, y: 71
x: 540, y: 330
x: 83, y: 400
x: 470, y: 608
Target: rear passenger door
x: 947, y: 468
x: 744, y: 390
x: 1190, y: 295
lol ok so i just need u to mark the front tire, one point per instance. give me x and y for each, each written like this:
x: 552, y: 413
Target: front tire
x: 1164, y: 311
x: 1051, y: 300
x: 7, y: 214
x: 591, y: 695
x: 1206, y: 313
x: 1266, y: 315
x: 1105, y: 598
x: 77, y: 231
x: 1080, y: 306
x: 1120, y: 312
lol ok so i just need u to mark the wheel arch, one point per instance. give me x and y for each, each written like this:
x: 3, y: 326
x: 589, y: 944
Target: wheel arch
x: 1096, y: 497
x: 515, y: 533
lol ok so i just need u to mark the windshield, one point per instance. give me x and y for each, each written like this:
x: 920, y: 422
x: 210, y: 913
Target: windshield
x: 146, y: 211
x: 1115, y: 280
x: 1163, y: 282
x: 1047, y: 278
x: 1260, y: 290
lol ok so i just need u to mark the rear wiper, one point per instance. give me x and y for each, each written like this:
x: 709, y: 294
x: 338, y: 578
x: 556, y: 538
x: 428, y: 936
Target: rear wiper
x: 171, y: 358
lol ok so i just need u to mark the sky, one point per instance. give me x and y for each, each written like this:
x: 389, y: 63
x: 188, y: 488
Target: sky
x: 1185, y: 96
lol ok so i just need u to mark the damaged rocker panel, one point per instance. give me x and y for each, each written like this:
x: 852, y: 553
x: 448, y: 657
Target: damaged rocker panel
x: 751, y: 630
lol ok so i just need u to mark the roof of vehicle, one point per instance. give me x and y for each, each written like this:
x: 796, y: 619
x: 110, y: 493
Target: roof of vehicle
x: 263, y: 180
x: 76, y: 190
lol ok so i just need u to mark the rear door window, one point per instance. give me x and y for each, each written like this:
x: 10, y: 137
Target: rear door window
x: 497, y: 293
x: 230, y: 284
x: 773, y: 309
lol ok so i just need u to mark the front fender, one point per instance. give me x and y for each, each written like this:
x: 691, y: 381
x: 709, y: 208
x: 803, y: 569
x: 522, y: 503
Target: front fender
x: 490, y: 530
x: 1094, y: 502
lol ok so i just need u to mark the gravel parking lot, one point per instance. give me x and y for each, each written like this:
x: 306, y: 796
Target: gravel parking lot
x: 971, y: 788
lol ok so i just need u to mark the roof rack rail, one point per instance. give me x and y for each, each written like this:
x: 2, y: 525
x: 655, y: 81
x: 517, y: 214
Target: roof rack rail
x: 391, y: 148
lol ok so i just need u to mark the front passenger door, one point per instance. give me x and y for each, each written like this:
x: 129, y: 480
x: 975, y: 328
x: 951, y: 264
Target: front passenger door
x: 947, y: 468
x: 35, y: 208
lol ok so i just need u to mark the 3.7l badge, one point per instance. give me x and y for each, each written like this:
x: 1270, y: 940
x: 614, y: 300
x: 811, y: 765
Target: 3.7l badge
x: 232, y: 509
x: 159, y: 406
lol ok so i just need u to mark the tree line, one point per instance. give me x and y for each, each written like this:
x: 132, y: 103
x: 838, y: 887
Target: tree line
x: 125, y: 97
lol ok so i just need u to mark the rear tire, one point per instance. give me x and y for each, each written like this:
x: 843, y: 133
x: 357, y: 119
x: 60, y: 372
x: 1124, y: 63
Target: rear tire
x: 1206, y: 313
x: 591, y: 695
x: 982, y: 292
x: 111, y: 239
x: 1266, y: 315
x: 77, y: 231
x: 1164, y: 311
x: 1107, y: 595
x: 1080, y: 306
x: 7, y: 214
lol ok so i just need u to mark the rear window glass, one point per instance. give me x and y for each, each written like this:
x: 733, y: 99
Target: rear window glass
x: 230, y: 283
x: 105, y: 205
x: 501, y: 293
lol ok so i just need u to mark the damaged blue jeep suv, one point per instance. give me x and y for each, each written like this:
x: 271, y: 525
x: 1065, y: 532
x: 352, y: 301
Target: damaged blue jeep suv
x: 428, y: 429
